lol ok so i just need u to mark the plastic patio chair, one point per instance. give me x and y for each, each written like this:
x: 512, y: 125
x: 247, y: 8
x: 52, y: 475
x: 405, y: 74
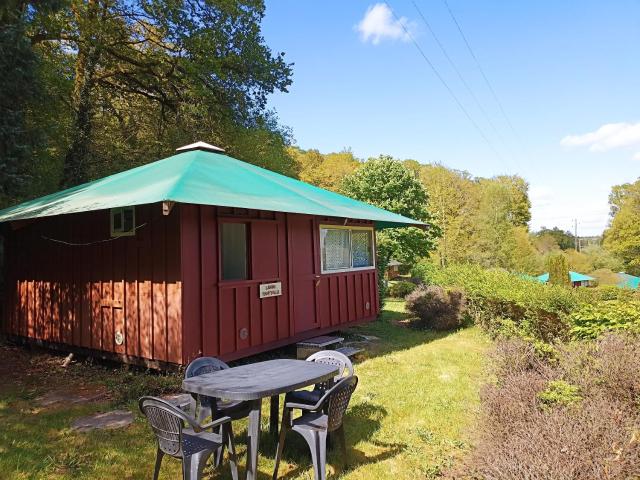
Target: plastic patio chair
x: 329, y: 357
x: 214, y: 407
x: 314, y: 425
x: 180, y: 436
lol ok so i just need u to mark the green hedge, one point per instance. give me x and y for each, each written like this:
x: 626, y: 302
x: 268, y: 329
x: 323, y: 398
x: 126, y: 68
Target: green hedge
x: 400, y: 289
x: 504, y: 303
x: 498, y: 299
x: 592, y: 320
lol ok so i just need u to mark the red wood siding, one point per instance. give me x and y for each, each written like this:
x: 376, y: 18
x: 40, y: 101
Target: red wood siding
x: 162, y: 289
x: 82, y: 295
x: 228, y: 319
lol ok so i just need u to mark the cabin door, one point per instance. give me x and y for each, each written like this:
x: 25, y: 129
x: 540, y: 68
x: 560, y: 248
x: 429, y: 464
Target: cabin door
x: 305, y: 277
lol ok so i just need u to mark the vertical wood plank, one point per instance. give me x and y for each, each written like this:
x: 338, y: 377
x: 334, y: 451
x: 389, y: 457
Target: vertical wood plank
x: 159, y: 294
x: 145, y: 291
x: 131, y: 312
x: 255, y: 316
x: 191, y: 286
x: 227, y: 321
x: 107, y: 300
x: 119, y: 301
x: 174, y: 286
x: 359, y: 304
x: 243, y: 325
x: 209, y: 292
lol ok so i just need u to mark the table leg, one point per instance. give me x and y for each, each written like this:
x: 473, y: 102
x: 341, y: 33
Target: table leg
x: 273, y: 415
x: 253, y: 440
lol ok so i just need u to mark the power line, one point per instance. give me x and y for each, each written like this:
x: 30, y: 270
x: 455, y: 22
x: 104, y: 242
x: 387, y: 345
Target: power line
x: 462, y: 79
x: 443, y: 81
x: 484, y: 76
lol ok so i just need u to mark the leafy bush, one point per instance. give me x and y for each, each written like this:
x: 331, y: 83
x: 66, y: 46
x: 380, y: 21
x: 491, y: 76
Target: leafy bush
x: 560, y: 392
x: 516, y: 438
x: 436, y: 307
x: 127, y: 386
x: 592, y: 320
x: 400, y: 289
x: 493, y: 296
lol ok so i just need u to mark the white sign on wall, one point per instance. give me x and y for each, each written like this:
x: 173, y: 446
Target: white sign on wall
x: 270, y: 289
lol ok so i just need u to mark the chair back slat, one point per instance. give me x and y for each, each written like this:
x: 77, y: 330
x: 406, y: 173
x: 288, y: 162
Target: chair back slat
x: 203, y: 365
x: 200, y: 366
x: 166, y: 423
x: 339, y: 401
x: 335, y: 359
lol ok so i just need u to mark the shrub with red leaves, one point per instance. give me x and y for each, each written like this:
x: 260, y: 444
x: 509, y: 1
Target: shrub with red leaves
x: 436, y: 307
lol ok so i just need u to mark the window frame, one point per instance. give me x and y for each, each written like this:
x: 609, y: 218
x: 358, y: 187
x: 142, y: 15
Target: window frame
x: 247, y: 225
x: 351, y: 228
x: 120, y: 211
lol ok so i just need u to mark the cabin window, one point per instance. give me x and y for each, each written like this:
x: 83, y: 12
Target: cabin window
x: 123, y: 221
x: 233, y: 239
x: 346, y: 248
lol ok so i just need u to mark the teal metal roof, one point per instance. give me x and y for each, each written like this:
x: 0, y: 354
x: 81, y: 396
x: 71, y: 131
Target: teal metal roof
x: 628, y: 281
x: 204, y: 177
x: 575, y: 277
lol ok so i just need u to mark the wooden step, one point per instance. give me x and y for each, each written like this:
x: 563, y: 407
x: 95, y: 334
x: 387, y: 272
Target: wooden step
x: 316, y: 344
x: 349, y: 351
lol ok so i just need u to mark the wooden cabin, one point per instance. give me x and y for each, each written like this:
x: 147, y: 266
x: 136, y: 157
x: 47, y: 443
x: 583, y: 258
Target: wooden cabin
x: 195, y: 254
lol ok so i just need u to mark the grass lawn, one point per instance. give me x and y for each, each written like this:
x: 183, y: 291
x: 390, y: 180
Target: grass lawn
x: 409, y: 417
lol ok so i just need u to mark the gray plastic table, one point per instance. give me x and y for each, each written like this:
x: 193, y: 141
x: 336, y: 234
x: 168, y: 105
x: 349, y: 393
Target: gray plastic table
x: 255, y: 381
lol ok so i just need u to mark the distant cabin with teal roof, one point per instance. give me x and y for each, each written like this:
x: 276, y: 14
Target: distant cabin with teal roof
x: 628, y: 281
x: 577, y: 279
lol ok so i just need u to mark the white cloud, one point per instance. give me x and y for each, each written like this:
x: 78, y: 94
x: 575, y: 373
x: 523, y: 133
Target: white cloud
x: 607, y: 137
x: 379, y: 24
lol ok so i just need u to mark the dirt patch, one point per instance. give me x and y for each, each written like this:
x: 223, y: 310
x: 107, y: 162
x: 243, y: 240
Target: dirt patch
x: 73, y: 395
x: 103, y: 421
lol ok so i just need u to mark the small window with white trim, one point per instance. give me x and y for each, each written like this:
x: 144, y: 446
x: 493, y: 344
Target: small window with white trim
x: 123, y: 221
x: 346, y: 248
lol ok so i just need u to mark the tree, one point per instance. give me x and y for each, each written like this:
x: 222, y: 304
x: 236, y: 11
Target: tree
x: 323, y: 170
x: 565, y: 240
x: 502, y: 209
x: 19, y: 88
x: 622, y: 238
x: 184, y: 68
x: 453, y: 200
x: 558, y: 270
x: 518, y: 205
x: 386, y: 183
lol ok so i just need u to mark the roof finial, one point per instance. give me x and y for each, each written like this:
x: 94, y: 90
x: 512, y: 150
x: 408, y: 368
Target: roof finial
x: 199, y: 146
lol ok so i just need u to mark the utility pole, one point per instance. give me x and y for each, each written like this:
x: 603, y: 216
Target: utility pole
x: 575, y: 229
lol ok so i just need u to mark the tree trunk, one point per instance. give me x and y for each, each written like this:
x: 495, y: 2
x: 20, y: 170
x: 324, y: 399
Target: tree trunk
x: 76, y: 161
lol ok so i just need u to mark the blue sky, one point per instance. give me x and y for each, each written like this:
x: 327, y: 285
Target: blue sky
x: 566, y: 73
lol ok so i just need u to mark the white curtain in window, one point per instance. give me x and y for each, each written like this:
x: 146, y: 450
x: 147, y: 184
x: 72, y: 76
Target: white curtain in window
x: 361, y: 243
x: 336, y: 249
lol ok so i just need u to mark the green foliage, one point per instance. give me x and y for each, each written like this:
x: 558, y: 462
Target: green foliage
x: 121, y: 83
x: 387, y: 183
x: 594, y: 319
x: 19, y: 88
x: 400, y: 289
x: 483, y: 220
x: 564, y: 240
x: 323, y: 170
x: 558, y: 268
x: 537, y: 310
x: 128, y: 386
x: 561, y: 393
x: 623, y: 236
